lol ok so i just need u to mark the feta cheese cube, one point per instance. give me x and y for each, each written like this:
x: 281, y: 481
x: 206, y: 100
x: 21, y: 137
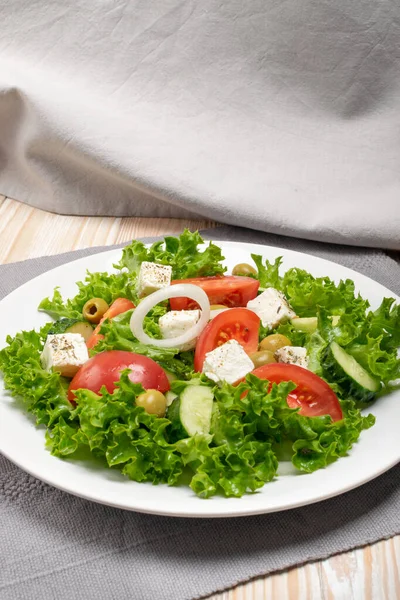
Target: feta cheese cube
x: 177, y: 322
x: 65, y: 353
x: 292, y: 355
x: 228, y: 362
x: 272, y: 308
x: 153, y: 277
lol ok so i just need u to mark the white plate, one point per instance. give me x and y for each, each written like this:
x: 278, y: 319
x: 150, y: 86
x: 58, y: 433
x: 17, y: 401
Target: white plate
x: 376, y: 451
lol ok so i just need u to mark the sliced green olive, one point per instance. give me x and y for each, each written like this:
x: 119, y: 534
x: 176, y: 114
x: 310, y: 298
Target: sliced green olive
x: 81, y: 327
x: 94, y: 310
x: 153, y: 402
x: 274, y: 341
x: 217, y: 306
x: 262, y: 357
x: 244, y: 269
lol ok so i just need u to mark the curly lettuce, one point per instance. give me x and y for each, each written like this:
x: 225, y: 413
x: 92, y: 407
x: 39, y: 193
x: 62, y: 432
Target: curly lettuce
x: 107, y: 286
x: 250, y: 426
x: 372, y: 337
x: 43, y: 393
x: 315, y: 441
x: 181, y: 253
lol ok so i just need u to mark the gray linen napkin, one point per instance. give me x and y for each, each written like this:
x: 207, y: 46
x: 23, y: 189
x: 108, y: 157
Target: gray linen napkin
x: 54, y: 545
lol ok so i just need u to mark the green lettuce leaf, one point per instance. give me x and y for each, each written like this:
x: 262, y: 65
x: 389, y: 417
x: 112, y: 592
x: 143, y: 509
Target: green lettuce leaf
x: 226, y: 470
x: 111, y: 426
x: 355, y: 332
x: 267, y: 272
x: 377, y: 343
x: 181, y: 253
x: 43, y: 393
x: 265, y: 415
x: 372, y: 356
x: 372, y: 337
x: 107, y: 286
x: 306, y: 293
x: 319, y: 442
x: 239, y: 456
x: 386, y: 320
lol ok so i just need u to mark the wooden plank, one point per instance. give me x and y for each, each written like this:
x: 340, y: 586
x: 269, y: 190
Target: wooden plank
x: 370, y: 573
x: 27, y: 232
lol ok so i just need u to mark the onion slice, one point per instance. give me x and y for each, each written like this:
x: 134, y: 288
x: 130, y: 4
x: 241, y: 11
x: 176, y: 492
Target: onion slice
x: 186, y: 290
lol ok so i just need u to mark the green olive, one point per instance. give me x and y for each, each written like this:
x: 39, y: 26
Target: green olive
x: 262, y: 357
x: 153, y: 402
x: 244, y: 269
x: 274, y: 342
x: 217, y: 306
x: 83, y: 328
x: 94, y: 310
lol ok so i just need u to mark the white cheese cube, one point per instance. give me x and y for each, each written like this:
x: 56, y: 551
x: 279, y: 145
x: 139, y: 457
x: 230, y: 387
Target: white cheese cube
x: 65, y: 353
x: 272, y: 308
x: 153, y: 277
x: 177, y: 322
x: 228, y: 362
x: 292, y: 355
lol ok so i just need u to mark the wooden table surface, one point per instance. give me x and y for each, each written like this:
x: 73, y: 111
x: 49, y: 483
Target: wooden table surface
x: 370, y: 573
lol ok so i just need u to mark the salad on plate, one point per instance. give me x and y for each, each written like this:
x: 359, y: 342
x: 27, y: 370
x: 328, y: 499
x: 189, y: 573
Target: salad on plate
x: 173, y: 370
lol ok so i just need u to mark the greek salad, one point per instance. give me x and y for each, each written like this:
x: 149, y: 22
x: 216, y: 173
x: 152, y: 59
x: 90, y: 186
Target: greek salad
x: 175, y: 371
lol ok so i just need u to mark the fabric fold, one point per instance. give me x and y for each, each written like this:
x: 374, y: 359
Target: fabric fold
x: 276, y: 116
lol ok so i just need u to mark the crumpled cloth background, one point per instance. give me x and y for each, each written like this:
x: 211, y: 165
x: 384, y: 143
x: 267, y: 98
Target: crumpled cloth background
x: 279, y: 116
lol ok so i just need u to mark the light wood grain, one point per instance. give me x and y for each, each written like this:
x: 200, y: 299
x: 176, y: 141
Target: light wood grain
x: 370, y: 573
x: 27, y: 232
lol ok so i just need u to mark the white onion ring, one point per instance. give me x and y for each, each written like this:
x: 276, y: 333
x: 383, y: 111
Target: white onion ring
x: 185, y: 290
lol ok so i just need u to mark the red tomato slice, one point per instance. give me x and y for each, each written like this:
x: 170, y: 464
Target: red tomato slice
x: 105, y: 369
x: 119, y: 306
x: 239, y: 324
x: 312, y: 394
x: 230, y: 291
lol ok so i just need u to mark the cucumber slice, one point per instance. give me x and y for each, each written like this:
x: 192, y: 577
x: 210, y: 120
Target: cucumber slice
x: 310, y: 324
x: 350, y: 374
x: 305, y: 324
x: 191, y: 412
x: 66, y: 325
x: 61, y: 325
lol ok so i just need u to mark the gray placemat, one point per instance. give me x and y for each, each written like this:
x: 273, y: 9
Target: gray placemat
x: 54, y: 545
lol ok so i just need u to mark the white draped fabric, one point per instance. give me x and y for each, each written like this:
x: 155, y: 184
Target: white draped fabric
x: 282, y: 116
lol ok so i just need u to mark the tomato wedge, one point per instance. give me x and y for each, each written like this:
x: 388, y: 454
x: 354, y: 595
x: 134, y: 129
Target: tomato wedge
x: 228, y: 290
x: 105, y: 369
x: 239, y: 324
x: 312, y: 394
x: 119, y: 306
